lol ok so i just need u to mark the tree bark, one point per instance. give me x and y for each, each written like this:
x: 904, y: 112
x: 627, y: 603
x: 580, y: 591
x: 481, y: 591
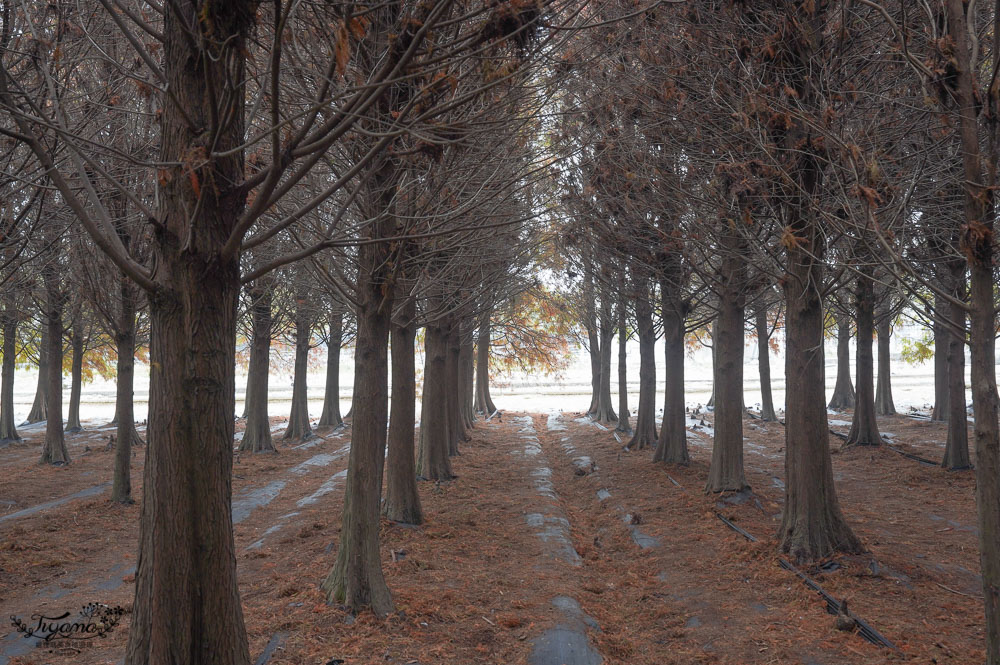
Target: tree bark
x: 864, y: 426
x: 883, y: 391
x: 8, y: 430
x: 605, y: 411
x: 726, y: 470
x: 54, y: 449
x: 672, y: 445
x: 645, y: 420
x: 624, y: 426
x: 38, y: 412
x: 331, y: 398
x: 433, y: 461
x: 298, y: 420
x: 844, y: 396
x: 942, y: 353
x: 402, y: 501
x: 468, y: 385
x: 257, y: 433
x: 484, y: 403
x: 956, y: 451
x: 76, y: 379
x: 764, y: 365
x: 453, y: 389
x: 711, y: 398
x: 593, y: 338
x: 126, y: 435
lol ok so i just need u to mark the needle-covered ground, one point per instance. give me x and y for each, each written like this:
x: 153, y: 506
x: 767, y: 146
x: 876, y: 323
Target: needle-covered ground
x: 659, y: 576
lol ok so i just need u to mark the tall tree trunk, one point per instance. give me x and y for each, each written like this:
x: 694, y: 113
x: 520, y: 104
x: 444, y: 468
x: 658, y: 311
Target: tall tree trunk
x: 432, y: 458
x: 605, y: 411
x: 8, y: 430
x: 812, y: 525
x: 466, y: 358
x: 356, y: 579
x: 883, y: 391
x: 864, y: 427
x: 726, y: 470
x: 624, y: 426
x: 942, y: 352
x: 456, y: 428
x: 402, y: 502
x: 121, y: 487
x: 331, y: 398
x: 764, y: 365
x: 593, y: 338
x: 711, y: 398
x: 298, y: 420
x: 844, y: 396
x: 645, y: 419
x: 484, y: 403
x: 672, y: 445
x: 76, y: 379
x: 257, y: 434
x: 54, y: 449
x: 187, y: 605
x: 956, y: 451
x: 38, y: 412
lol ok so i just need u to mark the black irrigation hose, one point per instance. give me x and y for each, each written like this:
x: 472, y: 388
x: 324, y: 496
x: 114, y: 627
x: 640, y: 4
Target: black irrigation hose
x: 833, y: 605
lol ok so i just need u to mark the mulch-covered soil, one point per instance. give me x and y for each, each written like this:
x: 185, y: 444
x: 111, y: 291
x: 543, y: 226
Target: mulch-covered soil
x: 475, y: 583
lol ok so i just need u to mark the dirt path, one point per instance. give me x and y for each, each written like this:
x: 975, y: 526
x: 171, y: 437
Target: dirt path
x: 552, y: 546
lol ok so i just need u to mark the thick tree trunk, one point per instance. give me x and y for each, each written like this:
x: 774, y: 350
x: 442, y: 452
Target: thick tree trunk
x: 76, y: 380
x: 711, y: 398
x: 764, y: 365
x: 726, y: 470
x: 812, y: 524
x: 257, y: 434
x: 864, y: 427
x: 121, y: 487
x: 8, y: 430
x: 883, y: 390
x: 432, y: 459
x: 298, y: 420
x: 605, y: 411
x: 672, y: 445
x: 453, y: 389
x: 38, y: 412
x: 484, y: 403
x: 645, y: 420
x: 956, y: 451
x: 331, y: 398
x: 356, y: 579
x: 942, y: 352
x: 54, y: 449
x: 844, y: 396
x: 402, y: 502
x: 187, y: 605
x: 624, y: 426
x: 468, y: 383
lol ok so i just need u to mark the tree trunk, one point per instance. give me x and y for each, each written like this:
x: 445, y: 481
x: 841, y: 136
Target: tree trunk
x: 484, y: 403
x: 38, y: 412
x: 883, y: 391
x: 956, y: 451
x: 593, y: 339
x: 8, y: 430
x: 711, y: 398
x: 726, y: 470
x: 187, y: 605
x: 121, y: 487
x: 331, y: 398
x: 54, y: 449
x: 645, y: 420
x: 672, y: 445
x: 432, y: 459
x: 624, y: 426
x: 402, y: 502
x: 76, y: 380
x: 468, y: 386
x: 257, y: 433
x: 812, y: 525
x: 942, y: 353
x: 356, y: 579
x: 764, y: 365
x: 298, y: 420
x: 605, y: 411
x: 453, y: 390
x: 864, y: 426
x: 844, y: 396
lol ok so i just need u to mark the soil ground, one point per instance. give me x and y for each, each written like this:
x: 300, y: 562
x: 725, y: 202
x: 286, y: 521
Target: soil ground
x: 659, y: 577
